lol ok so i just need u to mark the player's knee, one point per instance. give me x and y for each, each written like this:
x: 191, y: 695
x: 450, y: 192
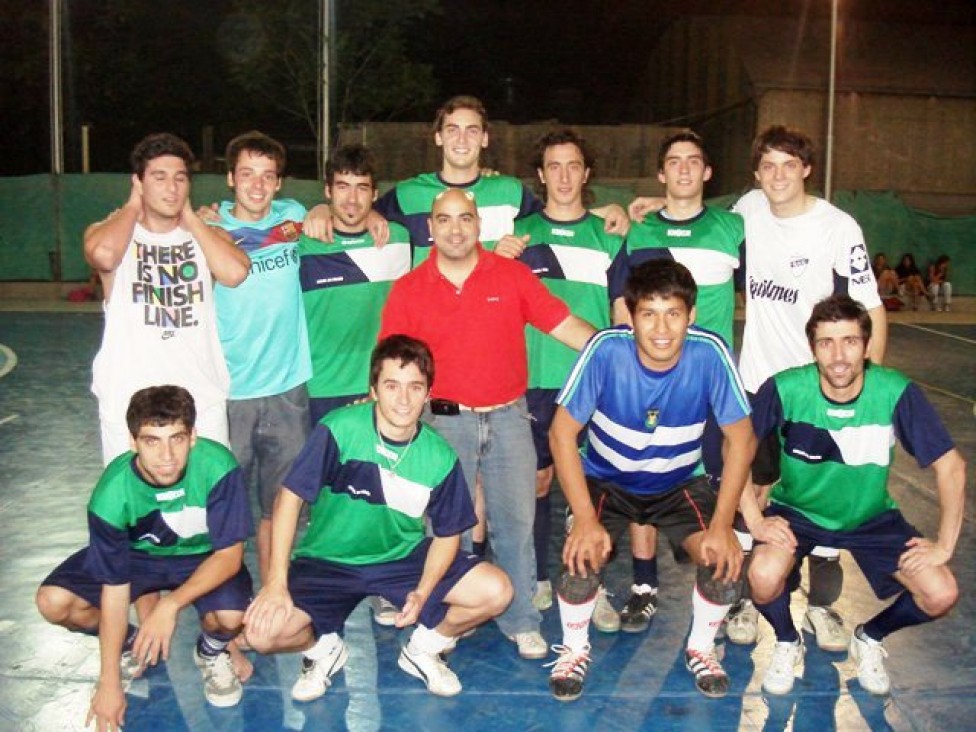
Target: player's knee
x: 766, y: 580
x: 224, y: 622
x: 54, y: 603
x: 498, y: 592
x: 941, y: 597
x: 717, y: 591
x: 576, y: 589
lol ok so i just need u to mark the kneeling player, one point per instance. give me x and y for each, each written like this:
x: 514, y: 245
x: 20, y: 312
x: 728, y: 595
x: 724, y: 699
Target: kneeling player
x: 170, y: 515
x: 837, y: 420
x: 644, y: 395
x: 371, y: 473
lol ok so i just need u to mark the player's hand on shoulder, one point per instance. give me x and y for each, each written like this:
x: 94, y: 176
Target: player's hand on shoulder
x: 209, y: 214
x: 615, y: 220
x: 643, y: 205
x: 922, y: 554
x: 378, y: 227
x: 511, y: 246
x: 318, y: 223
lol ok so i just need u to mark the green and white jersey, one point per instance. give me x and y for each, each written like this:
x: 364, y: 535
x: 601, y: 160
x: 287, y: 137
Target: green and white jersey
x: 206, y: 509
x: 709, y: 245
x: 576, y: 261
x: 500, y: 199
x: 836, y: 457
x: 369, y: 496
x: 344, y: 287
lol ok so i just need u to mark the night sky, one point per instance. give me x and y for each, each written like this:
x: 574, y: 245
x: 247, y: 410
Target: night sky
x: 133, y: 67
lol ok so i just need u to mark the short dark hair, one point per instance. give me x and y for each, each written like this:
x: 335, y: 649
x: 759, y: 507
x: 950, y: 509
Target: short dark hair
x: 159, y: 406
x: 155, y: 146
x: 564, y: 136
x: 461, y: 101
x: 259, y: 143
x: 660, y: 278
x: 355, y: 159
x: 686, y: 135
x: 405, y: 350
x: 785, y: 139
x: 834, y: 309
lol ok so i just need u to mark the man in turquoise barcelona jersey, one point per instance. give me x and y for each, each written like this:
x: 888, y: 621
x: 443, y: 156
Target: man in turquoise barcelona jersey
x: 173, y: 515
x: 262, y: 324
x: 569, y: 251
x: 345, y: 283
x: 708, y: 241
x: 837, y: 420
x: 376, y: 477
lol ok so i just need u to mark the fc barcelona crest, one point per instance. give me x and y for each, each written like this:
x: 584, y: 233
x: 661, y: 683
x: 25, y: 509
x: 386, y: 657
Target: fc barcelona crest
x: 650, y: 421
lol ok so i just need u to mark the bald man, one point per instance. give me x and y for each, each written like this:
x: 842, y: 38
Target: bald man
x: 471, y: 307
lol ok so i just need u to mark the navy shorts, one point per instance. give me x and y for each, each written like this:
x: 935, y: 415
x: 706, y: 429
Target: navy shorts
x: 318, y: 407
x: 682, y: 511
x: 542, y: 406
x: 152, y: 574
x: 330, y: 591
x: 876, y: 545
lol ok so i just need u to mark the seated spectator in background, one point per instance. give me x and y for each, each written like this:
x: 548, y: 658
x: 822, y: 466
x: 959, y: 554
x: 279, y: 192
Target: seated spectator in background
x: 939, y: 285
x: 910, y: 283
x: 885, y: 275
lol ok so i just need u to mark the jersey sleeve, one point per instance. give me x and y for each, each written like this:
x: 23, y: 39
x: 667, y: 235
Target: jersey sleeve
x: 852, y: 265
x: 727, y: 395
x: 450, y: 509
x: 919, y: 428
x: 316, y: 466
x: 388, y: 206
x: 581, y: 392
x: 107, y: 559
x: 229, y: 519
x: 618, y: 272
x: 767, y: 409
x: 529, y: 204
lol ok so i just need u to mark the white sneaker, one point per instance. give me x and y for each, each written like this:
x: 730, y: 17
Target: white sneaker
x: 432, y: 669
x: 316, y: 676
x: 605, y: 618
x: 531, y: 645
x: 384, y: 611
x: 827, y: 624
x: 742, y: 627
x: 542, y: 599
x: 221, y: 686
x: 869, y: 656
x: 781, y: 673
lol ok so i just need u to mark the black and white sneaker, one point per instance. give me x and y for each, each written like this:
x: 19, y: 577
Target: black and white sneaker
x: 568, y: 673
x: 710, y: 678
x: 640, y: 608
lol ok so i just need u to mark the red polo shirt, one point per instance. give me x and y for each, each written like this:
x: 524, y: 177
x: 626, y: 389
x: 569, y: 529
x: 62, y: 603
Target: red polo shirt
x: 477, y: 332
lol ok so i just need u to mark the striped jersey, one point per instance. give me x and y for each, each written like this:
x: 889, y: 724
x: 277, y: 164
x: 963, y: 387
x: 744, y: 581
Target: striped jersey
x: 207, y: 509
x: 500, y: 200
x: 369, y: 496
x: 836, y: 457
x: 709, y: 245
x: 344, y: 285
x: 644, y: 427
x: 575, y: 260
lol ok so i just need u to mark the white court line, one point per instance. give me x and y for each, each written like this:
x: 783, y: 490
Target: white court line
x: 11, y: 418
x: 939, y: 332
x: 10, y: 360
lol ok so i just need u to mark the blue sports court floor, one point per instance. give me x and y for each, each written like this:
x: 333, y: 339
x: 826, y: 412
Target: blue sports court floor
x: 49, y: 460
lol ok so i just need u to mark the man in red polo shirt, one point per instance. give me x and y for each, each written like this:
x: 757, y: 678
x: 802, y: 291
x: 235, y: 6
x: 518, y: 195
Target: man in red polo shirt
x: 471, y: 307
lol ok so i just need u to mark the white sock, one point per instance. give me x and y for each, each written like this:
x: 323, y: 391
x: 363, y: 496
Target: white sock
x: 323, y: 647
x: 429, y: 641
x: 706, y: 619
x: 576, y: 622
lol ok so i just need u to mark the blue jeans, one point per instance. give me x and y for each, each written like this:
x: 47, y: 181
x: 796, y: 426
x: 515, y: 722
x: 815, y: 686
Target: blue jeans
x: 498, y: 445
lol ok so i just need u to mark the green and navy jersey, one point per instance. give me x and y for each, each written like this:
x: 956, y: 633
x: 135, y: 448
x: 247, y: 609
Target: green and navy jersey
x: 206, y: 510
x: 261, y: 323
x: 576, y: 261
x: 709, y: 245
x: 500, y: 199
x: 369, y: 496
x: 344, y: 286
x: 836, y: 456
x: 644, y: 428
